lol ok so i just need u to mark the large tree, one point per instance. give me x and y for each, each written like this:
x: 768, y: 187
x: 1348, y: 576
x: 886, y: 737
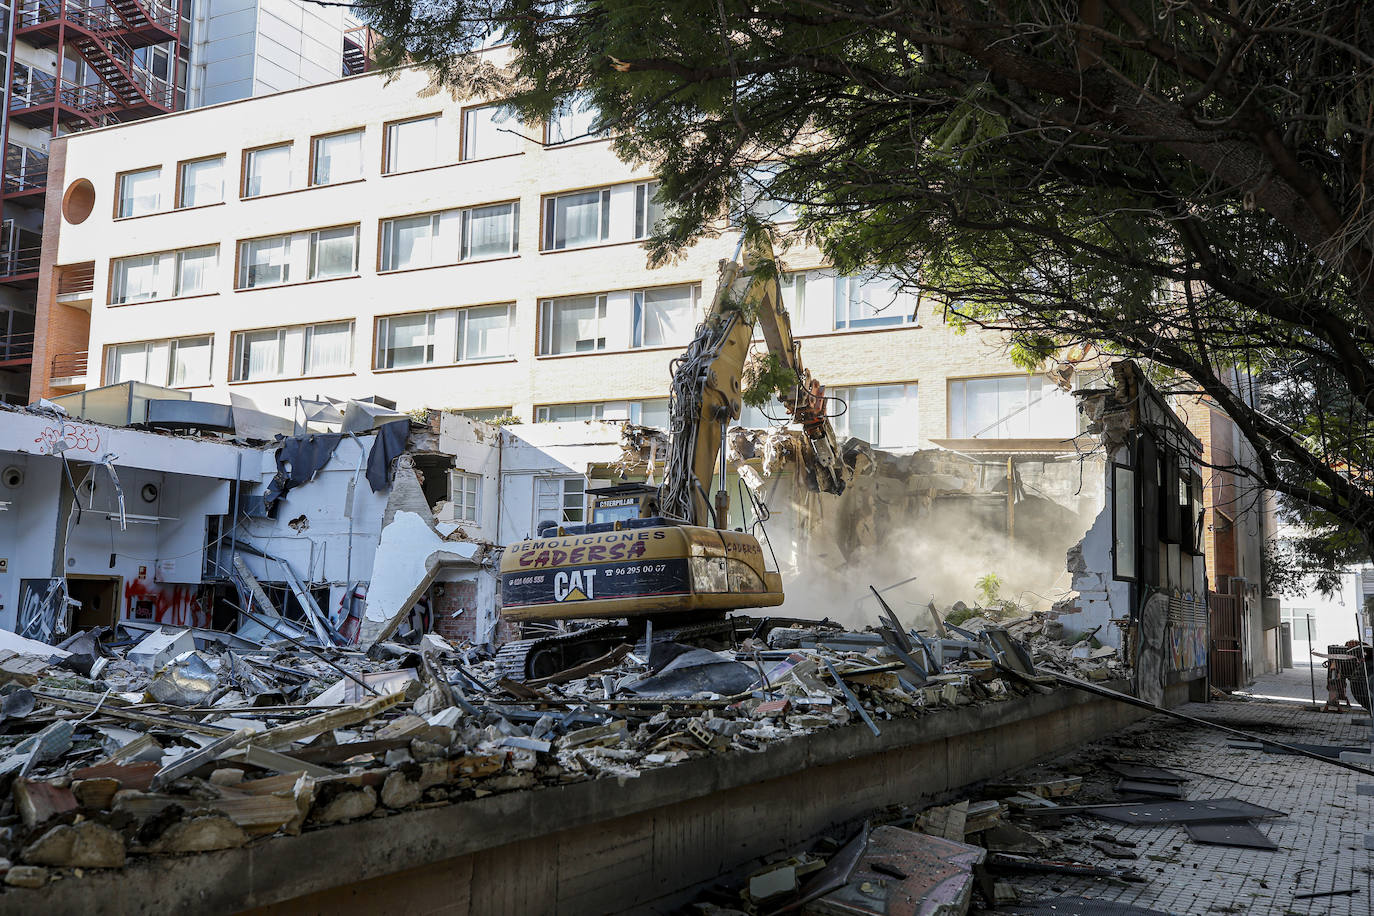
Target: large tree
x: 1177, y: 180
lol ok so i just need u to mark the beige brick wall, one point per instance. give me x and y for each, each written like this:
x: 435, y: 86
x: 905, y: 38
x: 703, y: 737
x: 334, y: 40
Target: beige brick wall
x: 927, y: 354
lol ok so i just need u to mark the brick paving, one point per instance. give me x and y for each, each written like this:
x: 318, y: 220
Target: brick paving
x: 1321, y: 841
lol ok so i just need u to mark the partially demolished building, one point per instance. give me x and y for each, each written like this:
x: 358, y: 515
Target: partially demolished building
x: 279, y: 653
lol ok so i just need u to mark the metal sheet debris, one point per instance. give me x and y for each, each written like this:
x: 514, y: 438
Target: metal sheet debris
x: 901, y: 872
x: 1197, y: 811
x: 1241, y: 834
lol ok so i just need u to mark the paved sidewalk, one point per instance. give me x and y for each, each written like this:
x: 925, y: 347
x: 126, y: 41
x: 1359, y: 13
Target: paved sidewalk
x: 1321, y: 841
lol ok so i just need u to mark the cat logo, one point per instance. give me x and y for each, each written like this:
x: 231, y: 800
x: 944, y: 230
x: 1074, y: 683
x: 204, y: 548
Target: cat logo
x: 574, y: 586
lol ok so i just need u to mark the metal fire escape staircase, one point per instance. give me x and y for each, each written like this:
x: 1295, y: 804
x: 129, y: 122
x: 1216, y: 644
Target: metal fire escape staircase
x: 104, y: 37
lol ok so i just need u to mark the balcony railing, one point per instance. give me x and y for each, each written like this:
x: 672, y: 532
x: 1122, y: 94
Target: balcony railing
x: 68, y: 365
x: 120, y: 15
x: 25, y: 169
x: 16, y: 348
x: 17, y: 260
x: 94, y: 100
x: 75, y: 280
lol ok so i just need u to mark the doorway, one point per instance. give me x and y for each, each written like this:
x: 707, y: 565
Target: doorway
x: 99, y: 597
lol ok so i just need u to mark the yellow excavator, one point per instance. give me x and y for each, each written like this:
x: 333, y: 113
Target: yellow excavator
x: 678, y: 568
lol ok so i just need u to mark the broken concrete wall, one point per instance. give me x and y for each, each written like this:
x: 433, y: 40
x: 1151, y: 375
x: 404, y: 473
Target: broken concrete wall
x: 147, y: 567
x: 476, y: 449
x: 548, y: 451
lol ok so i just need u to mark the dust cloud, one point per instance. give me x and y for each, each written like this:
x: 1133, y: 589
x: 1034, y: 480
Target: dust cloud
x: 946, y: 562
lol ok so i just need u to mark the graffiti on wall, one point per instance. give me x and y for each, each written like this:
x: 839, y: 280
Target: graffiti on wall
x: 77, y: 436
x: 1188, y: 647
x: 175, y: 605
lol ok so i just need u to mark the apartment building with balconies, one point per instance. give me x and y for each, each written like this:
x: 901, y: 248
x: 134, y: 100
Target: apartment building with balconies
x: 73, y: 65
x: 371, y: 237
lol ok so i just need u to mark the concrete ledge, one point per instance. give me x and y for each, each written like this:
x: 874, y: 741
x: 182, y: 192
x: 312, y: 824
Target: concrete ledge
x: 602, y: 844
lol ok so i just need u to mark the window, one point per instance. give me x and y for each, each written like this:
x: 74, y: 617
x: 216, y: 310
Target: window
x: 1011, y: 407
x: 404, y: 341
x: 572, y: 325
x: 488, y: 132
x: 648, y: 208
x: 1123, y: 522
x: 769, y: 415
x: 487, y: 414
x: 416, y: 241
x: 759, y: 201
x: 576, y: 118
x: 465, y: 493
x: 264, y: 262
x: 267, y: 170
x: 882, y: 415
x: 568, y: 413
x: 170, y: 363
x: 337, y: 158
x: 195, y: 269
x: 582, y: 218
x: 412, y: 144
x: 445, y: 337
x: 333, y: 252
x: 1302, y: 622
x: 869, y: 302
x: 134, y: 279
x: 560, y: 499
x: 328, y: 348
x: 490, y: 232
x: 293, y: 352
x: 140, y: 192
x: 201, y: 182
x: 653, y: 412
x: 664, y: 317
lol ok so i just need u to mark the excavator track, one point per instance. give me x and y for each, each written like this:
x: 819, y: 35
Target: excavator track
x: 530, y: 659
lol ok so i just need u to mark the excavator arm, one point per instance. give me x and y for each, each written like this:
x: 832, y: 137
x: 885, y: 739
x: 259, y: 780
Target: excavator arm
x: 708, y: 388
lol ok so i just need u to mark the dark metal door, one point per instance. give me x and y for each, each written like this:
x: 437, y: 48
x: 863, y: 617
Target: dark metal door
x: 1226, y: 654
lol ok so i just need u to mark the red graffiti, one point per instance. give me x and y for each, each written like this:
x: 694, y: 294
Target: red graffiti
x: 84, y: 438
x: 174, y: 605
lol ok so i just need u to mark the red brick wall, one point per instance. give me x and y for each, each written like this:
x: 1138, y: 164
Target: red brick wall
x: 58, y: 328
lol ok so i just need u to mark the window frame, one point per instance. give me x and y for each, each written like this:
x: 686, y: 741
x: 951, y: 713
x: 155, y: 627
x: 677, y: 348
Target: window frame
x: 1025, y: 411
x: 313, y: 175
x: 179, y: 256
x: 543, y: 334
x: 638, y: 312
x: 246, y: 175
x: 381, y: 327
x: 237, y: 353
x: 459, y: 515
x: 643, y: 205
x: 911, y: 397
x: 388, y: 150
x: 465, y: 218
x: 108, y: 367
x: 222, y: 158
x: 541, y: 411
x: 562, y: 497
x: 884, y: 321
x: 464, y: 152
x: 548, y: 219
x: 121, y: 177
x: 312, y: 244
x: 242, y: 265
x: 597, y: 137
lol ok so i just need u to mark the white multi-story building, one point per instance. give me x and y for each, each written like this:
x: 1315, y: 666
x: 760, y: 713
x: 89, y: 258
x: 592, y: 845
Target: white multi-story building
x: 370, y: 237
x: 72, y: 65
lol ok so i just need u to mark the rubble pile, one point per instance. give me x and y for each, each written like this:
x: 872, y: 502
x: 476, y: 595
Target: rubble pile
x: 147, y: 741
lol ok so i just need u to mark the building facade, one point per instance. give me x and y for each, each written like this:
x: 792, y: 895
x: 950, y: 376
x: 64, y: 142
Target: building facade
x: 371, y: 237
x: 71, y: 67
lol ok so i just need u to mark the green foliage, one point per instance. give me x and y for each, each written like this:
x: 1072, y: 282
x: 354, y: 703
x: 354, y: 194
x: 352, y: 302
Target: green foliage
x: 989, y: 588
x: 765, y: 376
x: 1180, y: 183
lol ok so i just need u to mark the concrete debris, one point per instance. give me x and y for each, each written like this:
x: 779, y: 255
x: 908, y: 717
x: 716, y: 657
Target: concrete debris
x: 175, y: 743
x: 31, y: 876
